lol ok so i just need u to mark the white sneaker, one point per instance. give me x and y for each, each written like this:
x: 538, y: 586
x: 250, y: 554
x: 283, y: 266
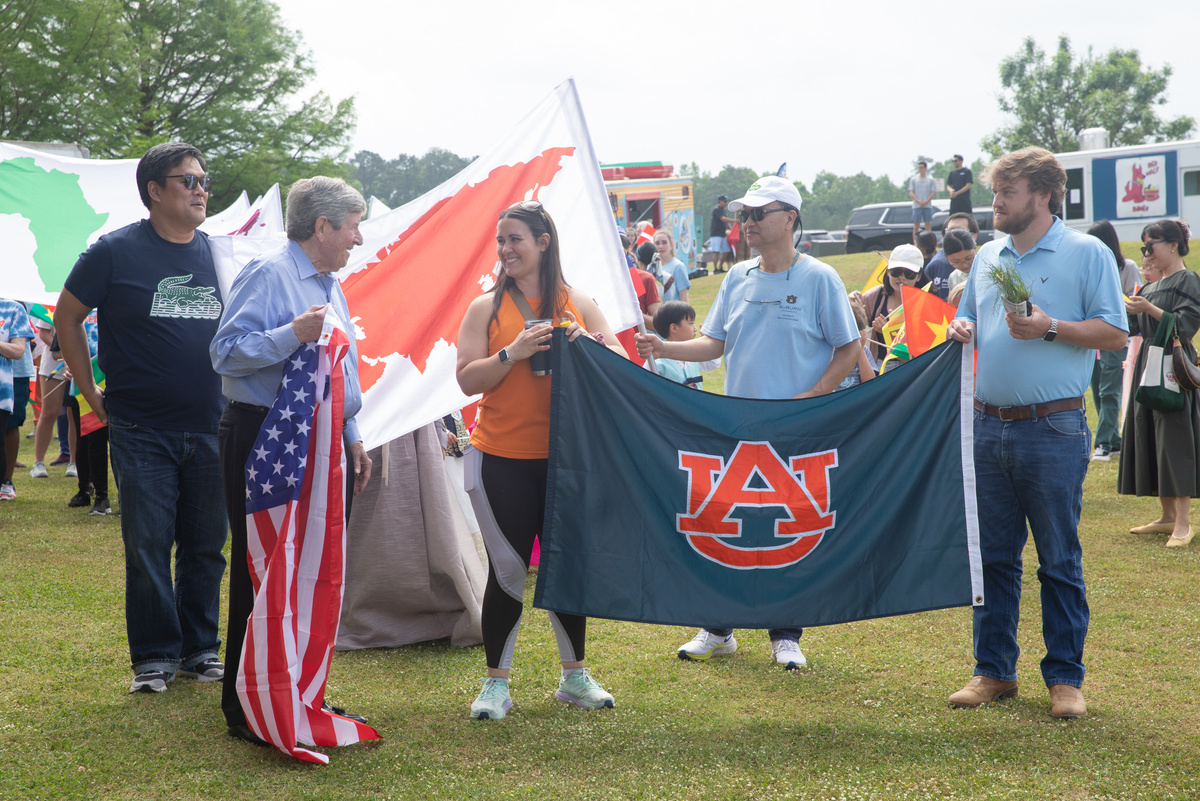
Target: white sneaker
x: 39, y: 471
x: 788, y: 654
x: 71, y: 471
x: 704, y: 645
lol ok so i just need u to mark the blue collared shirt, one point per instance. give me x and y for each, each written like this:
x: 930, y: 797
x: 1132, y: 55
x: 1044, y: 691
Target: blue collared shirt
x: 256, y: 337
x: 1072, y: 277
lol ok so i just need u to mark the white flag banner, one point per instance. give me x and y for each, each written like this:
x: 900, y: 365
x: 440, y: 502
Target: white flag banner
x: 422, y: 264
x: 52, y: 208
x: 235, y: 213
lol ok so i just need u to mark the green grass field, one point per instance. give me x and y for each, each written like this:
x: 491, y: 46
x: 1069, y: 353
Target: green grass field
x: 866, y: 719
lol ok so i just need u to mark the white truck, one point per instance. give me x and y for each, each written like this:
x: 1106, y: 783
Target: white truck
x: 1130, y: 186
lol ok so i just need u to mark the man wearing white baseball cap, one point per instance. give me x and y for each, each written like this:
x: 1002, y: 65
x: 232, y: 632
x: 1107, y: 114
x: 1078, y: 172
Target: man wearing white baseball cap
x: 784, y: 325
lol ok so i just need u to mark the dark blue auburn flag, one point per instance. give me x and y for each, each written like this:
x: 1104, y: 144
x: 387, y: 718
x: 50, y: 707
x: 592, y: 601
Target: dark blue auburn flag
x: 668, y: 505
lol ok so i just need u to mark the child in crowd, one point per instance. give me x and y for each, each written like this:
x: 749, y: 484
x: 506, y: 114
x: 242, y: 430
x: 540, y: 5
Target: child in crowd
x: 864, y: 368
x: 675, y: 321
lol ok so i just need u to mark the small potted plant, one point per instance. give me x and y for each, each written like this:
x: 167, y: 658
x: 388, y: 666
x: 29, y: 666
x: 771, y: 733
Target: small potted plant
x: 1011, y: 288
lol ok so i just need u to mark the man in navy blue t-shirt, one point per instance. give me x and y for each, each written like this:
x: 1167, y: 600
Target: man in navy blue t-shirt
x: 154, y: 286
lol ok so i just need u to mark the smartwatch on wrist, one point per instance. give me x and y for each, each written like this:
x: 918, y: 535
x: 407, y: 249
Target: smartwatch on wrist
x: 1053, y: 332
x: 504, y: 357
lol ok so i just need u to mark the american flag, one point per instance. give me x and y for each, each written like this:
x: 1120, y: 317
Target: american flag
x: 295, y: 481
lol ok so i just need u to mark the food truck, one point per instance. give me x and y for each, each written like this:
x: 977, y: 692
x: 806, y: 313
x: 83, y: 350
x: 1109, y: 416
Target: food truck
x: 1130, y: 186
x: 647, y: 191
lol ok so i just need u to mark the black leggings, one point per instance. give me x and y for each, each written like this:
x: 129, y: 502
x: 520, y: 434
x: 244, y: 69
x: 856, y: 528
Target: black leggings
x: 515, y: 491
x: 91, y: 459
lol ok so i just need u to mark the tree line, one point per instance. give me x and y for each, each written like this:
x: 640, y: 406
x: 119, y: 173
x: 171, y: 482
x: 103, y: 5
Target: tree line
x: 119, y: 76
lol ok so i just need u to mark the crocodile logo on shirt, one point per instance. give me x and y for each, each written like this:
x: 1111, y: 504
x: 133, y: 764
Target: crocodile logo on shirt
x: 175, y: 300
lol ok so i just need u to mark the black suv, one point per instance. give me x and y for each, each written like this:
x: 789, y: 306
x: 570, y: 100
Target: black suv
x: 883, y: 226
x: 983, y: 216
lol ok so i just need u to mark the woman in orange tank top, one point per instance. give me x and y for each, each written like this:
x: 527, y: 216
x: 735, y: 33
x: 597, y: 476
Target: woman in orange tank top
x: 506, y: 471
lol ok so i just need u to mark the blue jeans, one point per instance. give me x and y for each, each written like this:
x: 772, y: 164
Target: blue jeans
x: 170, y: 496
x: 1106, y: 393
x: 1031, y: 470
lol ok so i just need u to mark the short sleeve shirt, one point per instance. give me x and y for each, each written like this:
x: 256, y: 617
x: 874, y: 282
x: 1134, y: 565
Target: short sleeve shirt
x: 717, y: 226
x: 1073, y: 279
x: 14, y: 322
x: 674, y: 269
x: 779, y: 329
x: 956, y: 180
x: 923, y: 188
x: 159, y: 303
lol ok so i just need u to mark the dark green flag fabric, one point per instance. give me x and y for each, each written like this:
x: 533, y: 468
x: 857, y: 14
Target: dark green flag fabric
x: 670, y: 505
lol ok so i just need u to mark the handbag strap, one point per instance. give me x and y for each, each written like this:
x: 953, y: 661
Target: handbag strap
x: 518, y: 297
x: 1165, y: 331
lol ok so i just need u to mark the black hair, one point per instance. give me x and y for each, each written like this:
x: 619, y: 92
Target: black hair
x: 956, y: 240
x: 927, y: 244
x: 1176, y: 231
x: 645, y: 253
x: 1105, y: 232
x: 972, y: 223
x: 159, y: 161
x: 673, y: 312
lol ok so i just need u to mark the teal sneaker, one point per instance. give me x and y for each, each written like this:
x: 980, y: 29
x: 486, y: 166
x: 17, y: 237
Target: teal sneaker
x: 581, y: 689
x: 493, y: 701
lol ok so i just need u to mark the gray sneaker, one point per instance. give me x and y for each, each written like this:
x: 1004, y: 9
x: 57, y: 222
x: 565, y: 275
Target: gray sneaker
x: 151, y: 681
x: 211, y: 669
x: 39, y: 470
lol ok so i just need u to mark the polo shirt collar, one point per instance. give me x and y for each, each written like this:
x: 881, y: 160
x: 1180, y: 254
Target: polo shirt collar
x: 1049, y: 241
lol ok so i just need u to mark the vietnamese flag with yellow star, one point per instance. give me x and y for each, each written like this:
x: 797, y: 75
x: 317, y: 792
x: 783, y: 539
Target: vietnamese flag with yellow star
x: 926, y: 318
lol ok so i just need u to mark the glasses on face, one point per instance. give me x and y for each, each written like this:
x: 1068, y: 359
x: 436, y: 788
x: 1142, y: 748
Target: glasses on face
x: 1148, y: 248
x: 190, y: 181
x: 756, y: 214
x: 900, y: 272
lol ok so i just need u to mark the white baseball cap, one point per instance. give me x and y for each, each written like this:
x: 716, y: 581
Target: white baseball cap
x: 907, y: 257
x: 767, y: 189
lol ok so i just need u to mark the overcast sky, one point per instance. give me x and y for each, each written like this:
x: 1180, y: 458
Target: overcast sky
x: 839, y: 86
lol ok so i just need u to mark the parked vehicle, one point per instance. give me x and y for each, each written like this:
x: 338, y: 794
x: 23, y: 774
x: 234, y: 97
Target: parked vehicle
x: 883, y: 226
x: 1130, y: 186
x: 983, y: 216
x: 804, y: 239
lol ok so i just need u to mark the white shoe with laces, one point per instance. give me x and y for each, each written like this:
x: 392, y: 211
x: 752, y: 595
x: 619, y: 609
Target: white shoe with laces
x: 788, y: 654
x: 706, y: 644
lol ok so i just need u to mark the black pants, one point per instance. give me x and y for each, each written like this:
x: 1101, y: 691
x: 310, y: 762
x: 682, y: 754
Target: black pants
x: 91, y: 458
x: 239, y: 429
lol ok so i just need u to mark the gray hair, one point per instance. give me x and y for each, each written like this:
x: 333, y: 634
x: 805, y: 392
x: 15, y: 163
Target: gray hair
x: 310, y: 199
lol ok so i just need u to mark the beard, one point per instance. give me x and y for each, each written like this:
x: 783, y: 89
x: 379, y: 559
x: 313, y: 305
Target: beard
x: 1015, y: 223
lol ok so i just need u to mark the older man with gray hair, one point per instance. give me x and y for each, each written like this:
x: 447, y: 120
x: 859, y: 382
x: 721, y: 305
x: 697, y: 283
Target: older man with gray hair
x: 278, y: 302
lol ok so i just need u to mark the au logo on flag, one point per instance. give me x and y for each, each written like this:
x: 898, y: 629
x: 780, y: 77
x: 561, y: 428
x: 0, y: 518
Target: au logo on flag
x: 756, y: 477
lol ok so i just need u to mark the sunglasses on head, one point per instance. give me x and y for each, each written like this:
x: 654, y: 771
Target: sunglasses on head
x: 190, y: 181
x: 756, y: 214
x: 1148, y: 248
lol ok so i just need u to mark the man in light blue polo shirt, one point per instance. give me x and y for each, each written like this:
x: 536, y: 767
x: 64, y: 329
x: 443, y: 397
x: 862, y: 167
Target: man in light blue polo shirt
x: 1032, y: 442
x: 784, y: 325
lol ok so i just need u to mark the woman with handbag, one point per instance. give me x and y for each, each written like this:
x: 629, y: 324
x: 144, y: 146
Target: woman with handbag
x: 1161, y: 450
x: 506, y: 471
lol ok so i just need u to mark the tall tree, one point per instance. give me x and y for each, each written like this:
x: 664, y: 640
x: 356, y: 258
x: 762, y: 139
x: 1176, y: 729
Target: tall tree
x: 121, y: 75
x: 405, y: 177
x: 1053, y: 99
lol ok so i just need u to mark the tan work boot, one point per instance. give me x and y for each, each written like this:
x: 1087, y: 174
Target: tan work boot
x: 1066, y: 702
x: 982, y: 690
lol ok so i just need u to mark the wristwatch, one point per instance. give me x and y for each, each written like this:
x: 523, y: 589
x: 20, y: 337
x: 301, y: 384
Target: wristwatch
x: 1053, y: 332
x: 504, y: 357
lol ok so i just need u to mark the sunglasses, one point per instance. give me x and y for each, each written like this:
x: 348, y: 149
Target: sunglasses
x: 756, y: 214
x: 190, y: 181
x: 900, y: 272
x: 1148, y: 248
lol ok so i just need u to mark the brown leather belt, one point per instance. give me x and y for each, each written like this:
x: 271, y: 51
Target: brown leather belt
x: 1010, y: 413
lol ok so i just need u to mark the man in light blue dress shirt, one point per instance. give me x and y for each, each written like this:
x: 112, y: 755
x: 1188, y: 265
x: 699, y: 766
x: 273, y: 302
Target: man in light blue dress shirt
x: 278, y: 302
